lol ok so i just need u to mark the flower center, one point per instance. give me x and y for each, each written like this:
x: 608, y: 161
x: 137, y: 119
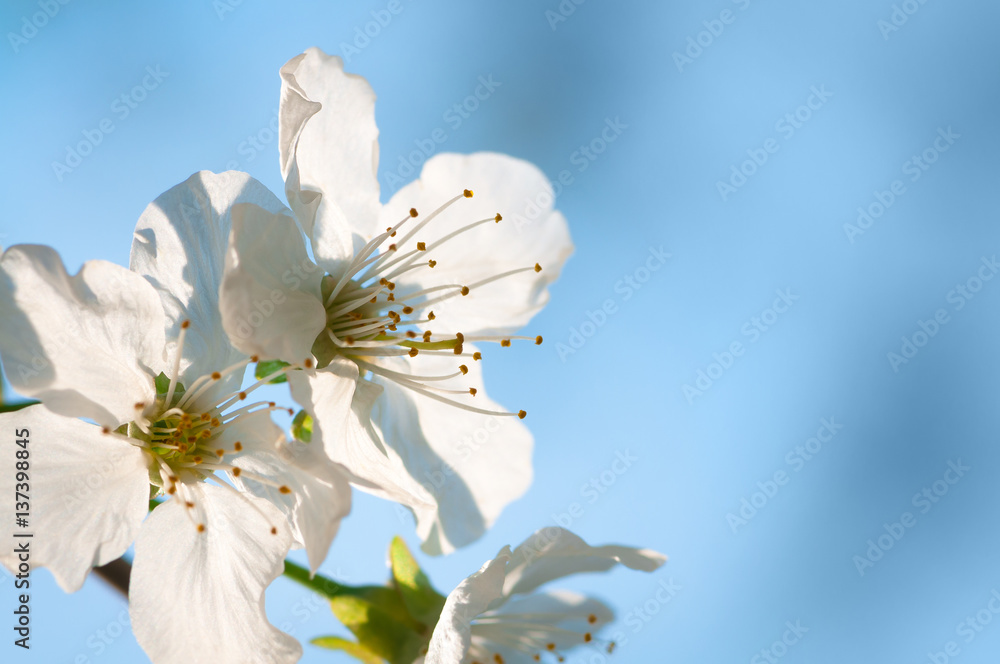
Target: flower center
x: 369, y: 319
x: 188, y: 434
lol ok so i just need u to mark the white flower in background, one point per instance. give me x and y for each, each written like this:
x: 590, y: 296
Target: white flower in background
x: 173, y: 416
x: 496, y: 617
x: 395, y: 303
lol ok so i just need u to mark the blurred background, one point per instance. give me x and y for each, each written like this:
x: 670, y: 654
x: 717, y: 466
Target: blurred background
x: 820, y: 175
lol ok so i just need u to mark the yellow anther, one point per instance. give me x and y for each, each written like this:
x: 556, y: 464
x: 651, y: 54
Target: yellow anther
x: 201, y: 527
x: 505, y: 343
x: 421, y: 246
x: 473, y: 391
x: 413, y: 352
x: 216, y: 375
x: 413, y: 212
x: 477, y: 356
x: 430, y: 315
x: 522, y: 414
x: 538, y: 340
x: 307, y: 363
x: 238, y: 446
x: 458, y: 349
x: 465, y: 290
x: 467, y: 193
x: 407, y: 310
x: 498, y: 218
x: 185, y: 325
x: 538, y: 268
x: 431, y: 263
x: 284, y: 489
x: 237, y: 471
x: 464, y: 369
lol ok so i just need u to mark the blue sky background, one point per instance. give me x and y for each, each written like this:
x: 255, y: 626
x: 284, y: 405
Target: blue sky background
x: 623, y: 389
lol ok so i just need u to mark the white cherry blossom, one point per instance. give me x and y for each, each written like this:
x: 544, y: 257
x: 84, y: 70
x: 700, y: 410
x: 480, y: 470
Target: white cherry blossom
x: 141, y: 354
x: 390, y: 310
x: 495, y: 616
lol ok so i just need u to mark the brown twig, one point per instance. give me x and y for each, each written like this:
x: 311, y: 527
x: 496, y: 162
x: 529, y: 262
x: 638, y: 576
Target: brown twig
x: 116, y: 574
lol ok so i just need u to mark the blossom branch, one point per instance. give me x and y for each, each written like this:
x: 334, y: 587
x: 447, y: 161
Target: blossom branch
x: 117, y: 574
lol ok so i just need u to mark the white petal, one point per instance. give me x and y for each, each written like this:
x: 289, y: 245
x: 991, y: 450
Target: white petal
x: 319, y: 497
x: 501, y: 184
x: 329, y: 145
x: 340, y: 405
x: 452, y: 635
x: 270, y: 297
x: 473, y: 465
x: 87, y: 345
x: 199, y: 596
x: 552, y: 553
x: 88, y: 492
x: 180, y: 246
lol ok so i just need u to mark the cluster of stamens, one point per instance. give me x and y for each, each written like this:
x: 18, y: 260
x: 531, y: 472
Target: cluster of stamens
x: 181, y: 432
x: 368, y: 318
x: 531, y: 638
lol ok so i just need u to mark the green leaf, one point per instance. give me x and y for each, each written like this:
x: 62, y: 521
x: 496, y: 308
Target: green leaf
x: 376, y: 615
x: 381, y: 624
x: 302, y: 427
x: 11, y: 407
x: 421, y: 600
x: 355, y: 650
x: 268, y: 367
x: 320, y: 584
x: 162, y: 383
